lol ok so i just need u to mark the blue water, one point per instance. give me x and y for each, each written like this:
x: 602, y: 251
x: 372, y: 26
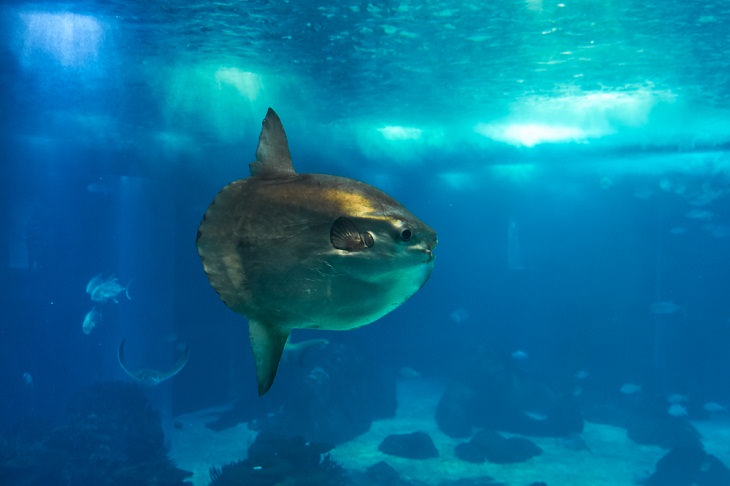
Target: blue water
x: 572, y: 157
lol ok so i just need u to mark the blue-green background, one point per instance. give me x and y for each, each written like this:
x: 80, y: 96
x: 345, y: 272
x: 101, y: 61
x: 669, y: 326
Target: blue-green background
x: 596, y: 132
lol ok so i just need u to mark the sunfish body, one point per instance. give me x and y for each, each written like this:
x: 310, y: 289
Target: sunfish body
x: 315, y: 251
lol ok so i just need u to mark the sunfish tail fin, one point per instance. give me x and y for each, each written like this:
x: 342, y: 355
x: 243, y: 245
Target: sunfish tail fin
x: 267, y: 344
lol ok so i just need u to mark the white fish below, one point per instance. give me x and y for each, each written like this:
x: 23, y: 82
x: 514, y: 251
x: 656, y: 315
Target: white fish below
x: 699, y: 214
x: 520, y: 355
x: 535, y: 415
x: 677, y: 410
x: 459, y: 315
x: 581, y: 374
x: 666, y: 307
x: 91, y: 319
x: 714, y: 407
x: 630, y: 388
x: 677, y: 398
x: 28, y: 379
x: 104, y: 290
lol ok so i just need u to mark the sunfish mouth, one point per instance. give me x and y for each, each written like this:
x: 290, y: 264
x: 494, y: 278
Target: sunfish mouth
x: 429, y: 251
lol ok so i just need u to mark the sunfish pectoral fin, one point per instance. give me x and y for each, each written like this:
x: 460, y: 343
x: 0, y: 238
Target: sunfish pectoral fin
x: 267, y: 343
x: 272, y: 153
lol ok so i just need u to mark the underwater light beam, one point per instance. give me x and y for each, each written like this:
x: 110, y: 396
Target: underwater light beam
x: 71, y: 39
x: 248, y: 84
x: 531, y: 134
x: 394, y: 132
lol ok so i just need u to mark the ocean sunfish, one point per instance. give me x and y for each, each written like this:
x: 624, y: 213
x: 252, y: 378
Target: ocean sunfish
x: 312, y: 251
x: 297, y: 352
x: 150, y: 377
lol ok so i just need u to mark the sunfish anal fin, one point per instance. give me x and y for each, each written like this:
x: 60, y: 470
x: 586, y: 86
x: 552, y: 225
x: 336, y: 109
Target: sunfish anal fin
x: 272, y: 154
x: 267, y: 343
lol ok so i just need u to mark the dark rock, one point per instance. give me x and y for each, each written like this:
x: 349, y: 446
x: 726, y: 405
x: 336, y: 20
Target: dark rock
x: 713, y: 472
x: 454, y: 412
x: 667, y: 432
x: 417, y: 445
x: 382, y: 473
x: 678, y: 467
x: 469, y: 452
x: 518, y: 449
x: 491, y: 446
x: 488, y: 440
x: 292, y: 449
x: 684, y: 466
x: 480, y: 481
x: 275, y: 459
x: 113, y: 437
x: 493, y: 393
x: 333, y: 401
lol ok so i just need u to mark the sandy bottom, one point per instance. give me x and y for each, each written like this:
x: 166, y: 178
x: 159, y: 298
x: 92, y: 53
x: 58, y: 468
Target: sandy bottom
x: 613, y: 459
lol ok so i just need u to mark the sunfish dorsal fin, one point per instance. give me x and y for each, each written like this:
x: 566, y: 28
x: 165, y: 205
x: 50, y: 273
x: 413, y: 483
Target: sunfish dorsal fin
x: 272, y: 154
x: 267, y: 343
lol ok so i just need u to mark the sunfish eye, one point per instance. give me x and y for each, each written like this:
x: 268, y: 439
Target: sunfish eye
x: 405, y: 234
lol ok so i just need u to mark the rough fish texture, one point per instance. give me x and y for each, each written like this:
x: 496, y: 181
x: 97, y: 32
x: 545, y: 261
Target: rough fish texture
x: 316, y: 251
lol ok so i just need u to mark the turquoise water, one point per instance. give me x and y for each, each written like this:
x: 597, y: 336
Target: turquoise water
x: 571, y: 156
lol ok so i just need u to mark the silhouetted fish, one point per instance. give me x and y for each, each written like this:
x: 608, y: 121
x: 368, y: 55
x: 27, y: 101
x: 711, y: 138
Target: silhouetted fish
x: 311, y: 251
x: 91, y: 319
x: 666, y: 307
x: 149, y: 376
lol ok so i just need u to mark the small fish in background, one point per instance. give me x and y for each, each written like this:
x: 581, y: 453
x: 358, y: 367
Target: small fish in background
x: 104, y: 290
x: 630, y: 388
x: 536, y: 415
x: 666, y: 308
x: 714, y: 407
x: 459, y: 315
x: 717, y: 230
x: 520, y: 355
x: 317, y: 376
x: 298, y: 352
x: 675, y: 398
x: 702, y: 214
x: 677, y: 410
x: 581, y: 374
x: 91, y: 319
x: 408, y: 373
x: 100, y: 186
x: 27, y: 379
x: 573, y: 442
